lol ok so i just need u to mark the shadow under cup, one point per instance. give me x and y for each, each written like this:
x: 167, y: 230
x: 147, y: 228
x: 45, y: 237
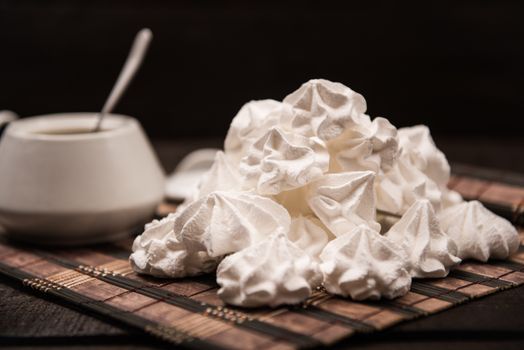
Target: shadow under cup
x: 60, y: 183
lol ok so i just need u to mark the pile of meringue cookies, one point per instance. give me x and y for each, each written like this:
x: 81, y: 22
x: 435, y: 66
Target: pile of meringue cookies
x: 311, y: 192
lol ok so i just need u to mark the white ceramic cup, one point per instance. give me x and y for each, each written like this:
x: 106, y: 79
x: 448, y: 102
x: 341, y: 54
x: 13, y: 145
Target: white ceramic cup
x: 61, y: 184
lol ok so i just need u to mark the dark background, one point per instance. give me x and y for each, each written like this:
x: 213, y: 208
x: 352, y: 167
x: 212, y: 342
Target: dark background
x: 457, y: 66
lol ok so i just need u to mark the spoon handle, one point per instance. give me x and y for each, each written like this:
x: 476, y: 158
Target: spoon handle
x: 134, y: 59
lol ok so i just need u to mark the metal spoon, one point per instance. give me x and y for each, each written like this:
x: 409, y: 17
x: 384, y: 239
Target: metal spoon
x: 134, y: 59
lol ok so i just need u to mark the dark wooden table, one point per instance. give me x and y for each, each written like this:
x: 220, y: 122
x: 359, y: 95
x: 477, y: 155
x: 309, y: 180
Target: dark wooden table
x: 493, y: 322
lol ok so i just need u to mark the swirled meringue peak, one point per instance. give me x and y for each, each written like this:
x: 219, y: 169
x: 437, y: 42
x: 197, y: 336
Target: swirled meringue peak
x: 365, y: 265
x: 431, y: 252
x: 309, y: 234
x: 478, y: 233
x: 343, y: 201
x: 324, y: 109
x: 404, y: 184
x: 369, y: 145
x: 222, y: 176
x: 226, y: 222
x: 271, y: 272
x: 281, y: 161
x: 158, y: 252
x: 253, y: 120
x: 418, y: 145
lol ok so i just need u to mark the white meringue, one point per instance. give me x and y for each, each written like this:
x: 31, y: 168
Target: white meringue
x: 365, y: 146
x: 251, y: 122
x: 478, y: 233
x: 324, y: 109
x: 343, y: 201
x: 400, y: 187
x: 417, y: 144
x: 299, y: 183
x: 226, y: 222
x: 365, y: 265
x: 431, y: 252
x: 421, y: 171
x: 271, y: 272
x: 309, y: 234
x: 281, y: 161
x: 222, y: 176
x: 158, y: 252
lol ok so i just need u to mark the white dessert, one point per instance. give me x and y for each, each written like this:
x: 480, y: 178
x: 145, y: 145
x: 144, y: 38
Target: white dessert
x: 421, y: 172
x: 369, y: 145
x: 253, y: 120
x: 478, y: 233
x: 309, y: 234
x: 431, y: 253
x: 281, y: 161
x: 324, y: 109
x: 365, y: 265
x: 343, y: 201
x: 226, y: 222
x: 158, y: 252
x: 300, y: 182
x: 420, y: 148
x: 272, y: 272
x: 400, y: 187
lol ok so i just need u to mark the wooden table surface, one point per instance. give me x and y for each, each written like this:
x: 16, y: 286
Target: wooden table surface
x: 493, y: 322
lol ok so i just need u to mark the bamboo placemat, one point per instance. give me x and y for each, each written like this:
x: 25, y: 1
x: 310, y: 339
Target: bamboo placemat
x: 187, y: 311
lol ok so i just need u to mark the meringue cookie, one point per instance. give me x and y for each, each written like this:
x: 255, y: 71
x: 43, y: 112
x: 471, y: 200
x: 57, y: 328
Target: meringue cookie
x: 478, y: 233
x: 253, y: 119
x: 418, y: 145
x: 299, y: 183
x: 309, y: 234
x: 400, y: 187
x: 271, y: 272
x: 343, y: 201
x: 431, y: 252
x: 226, y: 222
x: 222, y: 176
x: 385, y: 142
x: 159, y: 253
x: 421, y: 171
x: 370, y: 145
x: 324, y: 109
x: 281, y: 161
x: 365, y: 265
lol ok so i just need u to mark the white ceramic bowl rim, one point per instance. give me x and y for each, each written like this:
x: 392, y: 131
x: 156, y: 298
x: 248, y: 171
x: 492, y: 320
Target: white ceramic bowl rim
x: 42, y: 127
